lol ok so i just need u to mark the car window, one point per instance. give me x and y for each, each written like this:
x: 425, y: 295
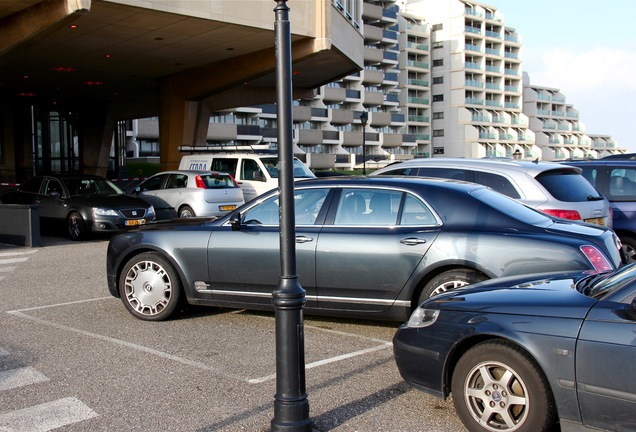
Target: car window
x: 218, y: 181
x: 153, y: 183
x: 415, y: 212
x: 447, y: 173
x: 177, y: 181
x: 53, y: 186
x: 227, y: 165
x: 307, y: 205
x: 32, y: 185
x: 622, y: 183
x: 251, y: 171
x: 497, y: 182
x: 567, y: 186
x: 401, y: 171
x: 371, y: 207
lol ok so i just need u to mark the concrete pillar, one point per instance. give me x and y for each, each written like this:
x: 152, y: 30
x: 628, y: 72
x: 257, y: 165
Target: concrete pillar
x: 96, y: 128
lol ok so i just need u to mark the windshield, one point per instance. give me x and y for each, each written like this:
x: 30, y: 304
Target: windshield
x: 610, y: 283
x: 91, y: 186
x: 300, y: 169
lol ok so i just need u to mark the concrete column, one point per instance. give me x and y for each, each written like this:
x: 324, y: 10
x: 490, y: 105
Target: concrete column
x: 96, y: 128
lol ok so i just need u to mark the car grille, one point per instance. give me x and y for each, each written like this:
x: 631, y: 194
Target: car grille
x: 135, y: 213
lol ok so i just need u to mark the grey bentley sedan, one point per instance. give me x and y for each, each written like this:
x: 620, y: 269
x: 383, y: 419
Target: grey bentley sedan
x: 369, y: 247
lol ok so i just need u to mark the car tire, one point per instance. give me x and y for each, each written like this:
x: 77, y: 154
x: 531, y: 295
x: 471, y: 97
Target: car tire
x: 450, y: 280
x: 149, y: 287
x: 629, y: 248
x: 497, y: 387
x: 76, y: 226
x: 186, y: 212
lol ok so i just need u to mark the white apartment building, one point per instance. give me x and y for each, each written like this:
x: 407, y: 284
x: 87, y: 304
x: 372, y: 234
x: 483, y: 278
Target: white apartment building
x: 440, y: 78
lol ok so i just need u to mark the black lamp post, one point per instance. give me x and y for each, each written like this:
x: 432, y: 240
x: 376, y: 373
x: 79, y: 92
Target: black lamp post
x: 364, y: 117
x: 291, y: 407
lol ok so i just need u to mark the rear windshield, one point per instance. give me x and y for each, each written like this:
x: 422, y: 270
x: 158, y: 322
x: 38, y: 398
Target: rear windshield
x: 567, y: 186
x: 218, y: 181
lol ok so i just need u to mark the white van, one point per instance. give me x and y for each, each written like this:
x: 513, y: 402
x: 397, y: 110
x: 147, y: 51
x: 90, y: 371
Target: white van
x: 257, y: 173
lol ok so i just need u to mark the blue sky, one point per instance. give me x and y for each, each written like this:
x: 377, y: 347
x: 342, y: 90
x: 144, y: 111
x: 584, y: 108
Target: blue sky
x: 586, y: 49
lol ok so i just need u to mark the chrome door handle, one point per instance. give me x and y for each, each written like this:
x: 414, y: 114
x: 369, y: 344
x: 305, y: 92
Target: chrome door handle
x: 412, y: 241
x: 303, y: 239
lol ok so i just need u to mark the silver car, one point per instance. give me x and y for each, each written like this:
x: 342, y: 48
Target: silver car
x: 187, y: 193
x: 552, y: 188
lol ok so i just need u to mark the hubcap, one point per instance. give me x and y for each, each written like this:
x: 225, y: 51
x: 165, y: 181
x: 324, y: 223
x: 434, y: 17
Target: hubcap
x: 448, y: 286
x: 496, y: 397
x: 148, y: 288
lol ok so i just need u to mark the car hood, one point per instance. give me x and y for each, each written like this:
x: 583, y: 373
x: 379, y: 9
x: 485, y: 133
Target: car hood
x: 547, y: 295
x: 110, y: 201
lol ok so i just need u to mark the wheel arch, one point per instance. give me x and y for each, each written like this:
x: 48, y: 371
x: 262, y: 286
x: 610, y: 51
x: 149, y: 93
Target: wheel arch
x: 427, y: 277
x: 143, y: 249
x: 467, y: 343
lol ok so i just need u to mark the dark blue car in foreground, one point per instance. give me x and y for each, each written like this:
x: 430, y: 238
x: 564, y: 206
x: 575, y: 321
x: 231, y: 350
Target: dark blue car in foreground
x: 522, y: 353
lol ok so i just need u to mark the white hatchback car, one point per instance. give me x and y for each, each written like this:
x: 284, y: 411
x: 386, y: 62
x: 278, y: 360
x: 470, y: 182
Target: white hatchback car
x: 187, y: 193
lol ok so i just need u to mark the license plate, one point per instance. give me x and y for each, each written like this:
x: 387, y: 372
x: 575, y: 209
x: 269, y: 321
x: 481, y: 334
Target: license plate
x: 135, y: 222
x: 227, y: 207
x: 596, y: 221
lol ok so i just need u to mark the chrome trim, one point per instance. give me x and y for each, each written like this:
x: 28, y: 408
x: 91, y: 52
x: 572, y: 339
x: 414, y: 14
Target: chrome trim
x: 403, y: 303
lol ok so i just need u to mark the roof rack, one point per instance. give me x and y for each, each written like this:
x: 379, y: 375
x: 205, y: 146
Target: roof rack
x: 225, y: 149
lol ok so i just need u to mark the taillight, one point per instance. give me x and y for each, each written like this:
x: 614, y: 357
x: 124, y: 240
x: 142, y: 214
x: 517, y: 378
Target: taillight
x: 564, y: 214
x: 598, y: 260
x: 199, y: 182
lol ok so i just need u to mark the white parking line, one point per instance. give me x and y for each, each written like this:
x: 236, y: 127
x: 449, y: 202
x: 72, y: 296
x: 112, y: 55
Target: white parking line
x: 20, y: 377
x: 47, y: 416
x: 120, y: 342
x: 383, y: 344
x: 7, y: 254
x: 13, y: 260
x: 326, y: 361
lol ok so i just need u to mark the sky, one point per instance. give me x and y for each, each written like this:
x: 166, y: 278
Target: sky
x: 586, y: 49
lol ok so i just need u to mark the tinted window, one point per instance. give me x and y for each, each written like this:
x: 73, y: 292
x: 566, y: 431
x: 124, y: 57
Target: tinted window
x: 498, y: 182
x: 447, y: 173
x: 227, y: 165
x: 401, y: 171
x: 251, y: 171
x: 177, y: 181
x: 32, y: 185
x: 415, y: 212
x: 567, y: 186
x: 153, y: 183
x: 368, y: 207
x: 622, y: 183
x: 218, y: 181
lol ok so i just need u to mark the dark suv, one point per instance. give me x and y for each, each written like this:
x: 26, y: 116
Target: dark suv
x: 615, y: 178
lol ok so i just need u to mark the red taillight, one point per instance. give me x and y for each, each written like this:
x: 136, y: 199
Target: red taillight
x: 597, y: 259
x: 199, y: 182
x: 564, y: 214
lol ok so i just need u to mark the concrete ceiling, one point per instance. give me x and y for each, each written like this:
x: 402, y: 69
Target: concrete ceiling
x: 117, y: 53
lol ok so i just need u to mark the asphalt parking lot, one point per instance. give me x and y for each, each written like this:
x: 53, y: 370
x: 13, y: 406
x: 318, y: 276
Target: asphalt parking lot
x: 72, y: 357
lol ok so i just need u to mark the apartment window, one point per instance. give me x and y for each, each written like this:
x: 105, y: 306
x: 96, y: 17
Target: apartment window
x: 437, y: 27
x: 438, y: 80
x: 438, y: 62
x: 438, y: 132
x: 438, y: 150
x: 438, y: 98
x: 438, y: 115
x: 437, y: 45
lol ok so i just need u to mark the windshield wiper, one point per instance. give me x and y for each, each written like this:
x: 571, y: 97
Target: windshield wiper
x: 595, y: 198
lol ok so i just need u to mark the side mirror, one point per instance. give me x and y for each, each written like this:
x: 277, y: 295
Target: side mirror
x: 235, y: 221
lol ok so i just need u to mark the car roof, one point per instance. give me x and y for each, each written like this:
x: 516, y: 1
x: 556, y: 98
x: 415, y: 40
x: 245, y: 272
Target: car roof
x: 511, y: 165
x: 390, y: 181
x: 190, y: 172
x: 602, y: 162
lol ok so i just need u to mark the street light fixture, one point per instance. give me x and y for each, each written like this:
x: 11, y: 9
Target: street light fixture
x: 364, y: 117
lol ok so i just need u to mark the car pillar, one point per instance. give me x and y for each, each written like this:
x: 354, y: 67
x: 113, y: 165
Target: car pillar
x: 291, y: 406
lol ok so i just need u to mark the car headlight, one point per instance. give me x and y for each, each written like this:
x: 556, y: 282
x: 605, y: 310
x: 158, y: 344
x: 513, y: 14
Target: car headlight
x: 422, y: 317
x: 150, y: 212
x: 98, y: 211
